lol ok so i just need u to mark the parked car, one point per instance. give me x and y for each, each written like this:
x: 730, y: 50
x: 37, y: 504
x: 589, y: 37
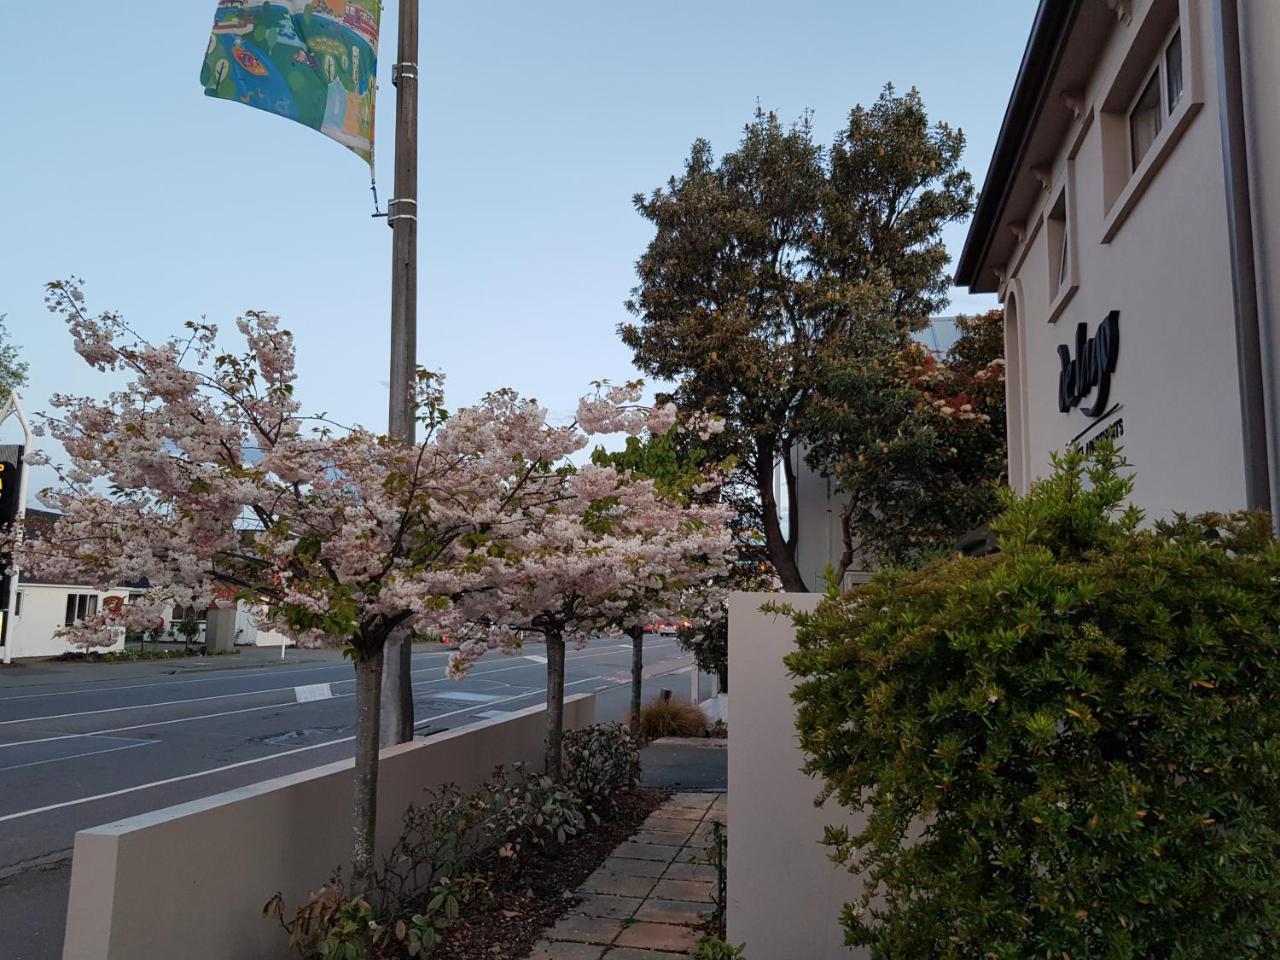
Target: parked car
x: 666, y: 628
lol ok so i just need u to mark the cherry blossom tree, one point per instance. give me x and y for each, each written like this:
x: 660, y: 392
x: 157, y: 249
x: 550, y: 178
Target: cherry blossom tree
x: 604, y: 553
x: 201, y: 477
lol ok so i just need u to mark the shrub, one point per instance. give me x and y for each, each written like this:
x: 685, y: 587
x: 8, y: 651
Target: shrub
x: 452, y: 845
x: 1068, y: 749
x: 598, y: 761
x: 666, y: 717
x: 713, y: 948
x: 532, y: 809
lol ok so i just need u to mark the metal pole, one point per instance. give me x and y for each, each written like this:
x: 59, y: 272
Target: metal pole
x: 1250, y: 352
x: 15, y: 407
x: 402, y: 216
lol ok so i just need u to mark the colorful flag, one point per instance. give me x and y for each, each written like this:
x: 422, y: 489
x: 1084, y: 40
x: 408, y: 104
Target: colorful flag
x: 313, y: 61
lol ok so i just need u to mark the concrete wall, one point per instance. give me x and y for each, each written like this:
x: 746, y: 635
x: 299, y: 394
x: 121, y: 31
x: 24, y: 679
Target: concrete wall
x: 44, y: 609
x: 785, y: 896
x: 190, y: 881
x: 1158, y: 255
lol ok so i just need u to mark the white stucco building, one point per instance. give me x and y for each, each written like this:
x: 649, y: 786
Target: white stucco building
x: 819, y: 538
x: 42, y: 608
x: 1130, y: 225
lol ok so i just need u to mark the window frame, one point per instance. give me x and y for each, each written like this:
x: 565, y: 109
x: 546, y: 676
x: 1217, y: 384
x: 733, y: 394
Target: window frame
x: 1060, y: 222
x: 1153, y: 77
x: 79, y: 606
x: 1150, y: 38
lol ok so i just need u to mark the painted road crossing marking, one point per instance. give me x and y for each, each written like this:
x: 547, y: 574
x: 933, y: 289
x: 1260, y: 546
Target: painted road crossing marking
x: 463, y: 697
x: 313, y: 691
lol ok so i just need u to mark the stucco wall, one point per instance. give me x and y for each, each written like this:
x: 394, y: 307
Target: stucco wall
x: 44, y: 610
x: 1166, y: 270
x: 190, y: 881
x: 785, y: 896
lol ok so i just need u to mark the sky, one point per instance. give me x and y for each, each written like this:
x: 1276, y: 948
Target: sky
x: 539, y: 122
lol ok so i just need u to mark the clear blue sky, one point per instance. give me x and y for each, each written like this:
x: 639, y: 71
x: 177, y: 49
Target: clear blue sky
x: 539, y: 122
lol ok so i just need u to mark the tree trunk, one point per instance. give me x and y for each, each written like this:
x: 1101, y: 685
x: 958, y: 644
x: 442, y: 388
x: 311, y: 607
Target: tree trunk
x: 637, y: 677
x: 782, y: 553
x: 555, y: 702
x: 365, y: 788
x: 846, y: 540
x: 397, y: 693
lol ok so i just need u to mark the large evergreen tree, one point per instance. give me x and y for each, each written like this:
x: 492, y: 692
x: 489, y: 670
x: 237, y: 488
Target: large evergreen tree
x: 781, y: 256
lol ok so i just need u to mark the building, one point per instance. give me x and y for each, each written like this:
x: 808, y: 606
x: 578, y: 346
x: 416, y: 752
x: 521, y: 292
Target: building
x: 43, y: 607
x: 1130, y: 225
x: 817, y: 525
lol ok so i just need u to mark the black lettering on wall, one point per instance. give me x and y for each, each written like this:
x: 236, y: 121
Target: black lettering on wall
x: 1094, y: 362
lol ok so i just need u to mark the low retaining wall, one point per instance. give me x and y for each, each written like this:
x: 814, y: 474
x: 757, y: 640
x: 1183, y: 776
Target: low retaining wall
x: 190, y: 881
x: 785, y: 896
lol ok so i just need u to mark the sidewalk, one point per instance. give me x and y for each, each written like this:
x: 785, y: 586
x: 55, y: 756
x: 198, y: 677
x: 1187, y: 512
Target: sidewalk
x: 700, y: 764
x: 649, y: 900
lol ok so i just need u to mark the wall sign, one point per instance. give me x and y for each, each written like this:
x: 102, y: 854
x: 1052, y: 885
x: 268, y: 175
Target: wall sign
x: 1094, y: 362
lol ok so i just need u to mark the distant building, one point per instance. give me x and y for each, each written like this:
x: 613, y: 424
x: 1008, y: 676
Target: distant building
x: 43, y: 607
x: 1130, y: 225
x: 820, y: 540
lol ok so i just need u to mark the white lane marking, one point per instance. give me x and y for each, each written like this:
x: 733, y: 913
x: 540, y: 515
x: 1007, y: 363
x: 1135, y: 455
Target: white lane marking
x: 226, y: 674
x: 463, y: 696
x: 230, y: 766
x: 77, y: 756
x: 535, y: 658
x: 519, y: 696
x: 233, y: 674
x: 251, y: 693
x: 313, y: 692
x: 230, y: 713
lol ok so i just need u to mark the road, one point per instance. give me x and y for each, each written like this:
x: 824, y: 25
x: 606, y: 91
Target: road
x: 88, y: 744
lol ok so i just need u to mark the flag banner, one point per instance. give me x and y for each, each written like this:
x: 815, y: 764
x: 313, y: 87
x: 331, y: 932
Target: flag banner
x: 313, y: 61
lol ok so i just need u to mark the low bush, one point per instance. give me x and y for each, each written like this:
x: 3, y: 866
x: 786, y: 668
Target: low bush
x: 668, y: 717
x: 598, y: 761
x: 453, y: 846
x: 713, y: 948
x: 1070, y: 749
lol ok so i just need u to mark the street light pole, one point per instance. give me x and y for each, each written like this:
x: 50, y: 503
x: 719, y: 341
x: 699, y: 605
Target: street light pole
x: 402, y: 217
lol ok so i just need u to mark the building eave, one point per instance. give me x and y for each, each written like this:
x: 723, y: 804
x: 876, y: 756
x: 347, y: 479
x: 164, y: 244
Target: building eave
x: 1040, y: 61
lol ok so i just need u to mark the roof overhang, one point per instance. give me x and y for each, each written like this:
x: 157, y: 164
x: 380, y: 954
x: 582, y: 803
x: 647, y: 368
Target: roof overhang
x: 1060, y: 57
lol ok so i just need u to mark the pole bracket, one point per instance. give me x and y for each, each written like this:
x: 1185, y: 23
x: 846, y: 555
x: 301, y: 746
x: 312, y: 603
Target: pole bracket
x: 392, y: 216
x: 408, y: 71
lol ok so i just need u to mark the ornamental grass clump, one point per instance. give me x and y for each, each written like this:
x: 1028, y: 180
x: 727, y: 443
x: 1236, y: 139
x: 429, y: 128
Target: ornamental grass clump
x: 1070, y: 749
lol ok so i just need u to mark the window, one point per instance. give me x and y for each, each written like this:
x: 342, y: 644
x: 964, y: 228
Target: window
x: 17, y: 603
x: 1145, y: 120
x: 1160, y: 94
x: 79, y: 606
x: 1059, y: 224
x: 1173, y: 69
x: 1059, y: 244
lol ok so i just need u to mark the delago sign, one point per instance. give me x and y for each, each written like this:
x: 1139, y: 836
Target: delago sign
x: 1091, y: 368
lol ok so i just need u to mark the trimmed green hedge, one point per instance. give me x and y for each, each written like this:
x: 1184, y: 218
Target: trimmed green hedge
x: 1068, y: 750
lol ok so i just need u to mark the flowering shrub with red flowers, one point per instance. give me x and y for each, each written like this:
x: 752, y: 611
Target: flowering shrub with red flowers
x: 914, y: 443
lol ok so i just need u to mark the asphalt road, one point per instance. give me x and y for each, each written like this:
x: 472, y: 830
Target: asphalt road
x: 88, y: 744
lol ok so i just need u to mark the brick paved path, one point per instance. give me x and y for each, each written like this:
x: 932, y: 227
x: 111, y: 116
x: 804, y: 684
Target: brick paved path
x: 649, y: 899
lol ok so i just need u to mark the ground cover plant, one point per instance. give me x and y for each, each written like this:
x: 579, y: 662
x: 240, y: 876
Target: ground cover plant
x: 1070, y: 749
x: 482, y: 869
